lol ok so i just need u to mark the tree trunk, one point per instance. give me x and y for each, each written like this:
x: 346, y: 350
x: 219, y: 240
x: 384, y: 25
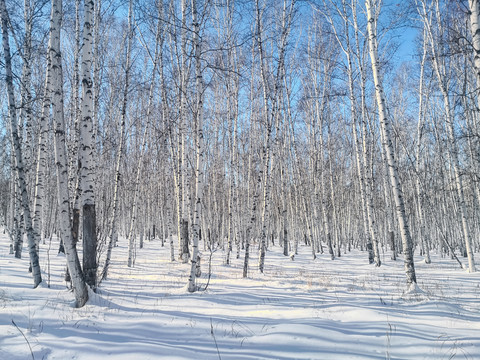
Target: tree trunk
x: 37, y: 277
x: 475, y: 29
x: 199, y: 147
x: 443, y: 78
x: 389, y: 151
x: 73, y: 262
x: 114, y: 216
x: 87, y: 169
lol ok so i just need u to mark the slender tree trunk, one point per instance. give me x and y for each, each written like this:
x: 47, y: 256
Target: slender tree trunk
x: 271, y: 113
x: 443, y: 82
x: 419, y: 188
x: 199, y: 147
x: 123, y: 115
x: 37, y: 277
x: 130, y: 235
x: 475, y: 29
x: 388, y: 145
x: 40, y: 178
x: 26, y: 114
x: 183, y: 192
x: 73, y: 262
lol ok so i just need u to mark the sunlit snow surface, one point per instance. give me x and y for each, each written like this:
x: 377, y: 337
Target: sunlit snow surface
x: 301, y: 309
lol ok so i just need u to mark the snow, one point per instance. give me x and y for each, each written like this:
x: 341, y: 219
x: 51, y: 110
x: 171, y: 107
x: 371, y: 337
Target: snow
x: 301, y: 309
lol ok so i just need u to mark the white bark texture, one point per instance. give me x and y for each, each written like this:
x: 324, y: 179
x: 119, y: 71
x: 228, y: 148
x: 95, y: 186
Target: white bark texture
x: 37, y: 276
x: 386, y: 128
x: 418, y: 182
x: 42, y: 151
x: 131, y: 232
x: 114, y: 216
x: 475, y: 29
x: 65, y: 229
x: 271, y: 110
x: 87, y: 146
x: 443, y: 79
x: 199, y: 145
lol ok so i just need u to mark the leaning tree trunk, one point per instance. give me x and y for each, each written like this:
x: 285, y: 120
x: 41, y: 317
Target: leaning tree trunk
x: 37, y: 276
x: 73, y: 262
x: 386, y: 128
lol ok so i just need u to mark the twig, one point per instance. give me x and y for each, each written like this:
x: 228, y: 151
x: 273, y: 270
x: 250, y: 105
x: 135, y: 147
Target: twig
x: 21, y: 332
x: 212, y: 250
x: 215, y: 340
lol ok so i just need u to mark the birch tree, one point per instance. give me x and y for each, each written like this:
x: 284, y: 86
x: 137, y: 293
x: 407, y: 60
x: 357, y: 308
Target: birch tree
x: 428, y: 14
x: 350, y: 46
x: 150, y: 104
x: 386, y: 127
x: 123, y: 115
x: 15, y: 141
x: 272, y: 107
x: 87, y: 149
x: 198, y: 113
x: 65, y: 226
x: 475, y: 30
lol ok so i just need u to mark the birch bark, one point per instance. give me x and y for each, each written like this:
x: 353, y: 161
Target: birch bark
x: 19, y: 166
x: 199, y: 147
x: 114, y: 217
x: 73, y: 262
x: 130, y: 235
x: 388, y: 145
x: 87, y: 169
x: 443, y: 80
x: 475, y: 29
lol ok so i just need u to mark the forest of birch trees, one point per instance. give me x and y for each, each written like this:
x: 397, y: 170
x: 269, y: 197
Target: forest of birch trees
x: 237, y: 126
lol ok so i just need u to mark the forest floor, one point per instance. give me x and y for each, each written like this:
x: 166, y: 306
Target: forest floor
x: 301, y: 309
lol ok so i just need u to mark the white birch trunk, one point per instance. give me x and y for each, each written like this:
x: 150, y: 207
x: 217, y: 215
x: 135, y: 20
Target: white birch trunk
x: 114, y: 216
x: 42, y: 152
x: 232, y: 103
x: 26, y: 115
x: 87, y: 149
x: 271, y: 113
x: 65, y: 229
x: 475, y: 29
x: 75, y: 179
x: 387, y: 143
x: 37, y: 277
x: 443, y: 81
x: 130, y: 235
x: 183, y: 191
x: 419, y: 188
x: 199, y: 147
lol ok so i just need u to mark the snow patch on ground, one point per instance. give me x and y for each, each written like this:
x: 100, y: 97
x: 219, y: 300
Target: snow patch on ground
x: 301, y: 309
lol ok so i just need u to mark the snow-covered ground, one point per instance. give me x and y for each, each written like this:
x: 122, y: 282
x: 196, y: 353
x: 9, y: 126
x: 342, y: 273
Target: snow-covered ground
x: 301, y: 309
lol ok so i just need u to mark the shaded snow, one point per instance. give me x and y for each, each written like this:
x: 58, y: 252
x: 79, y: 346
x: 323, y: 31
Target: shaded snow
x: 302, y: 309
